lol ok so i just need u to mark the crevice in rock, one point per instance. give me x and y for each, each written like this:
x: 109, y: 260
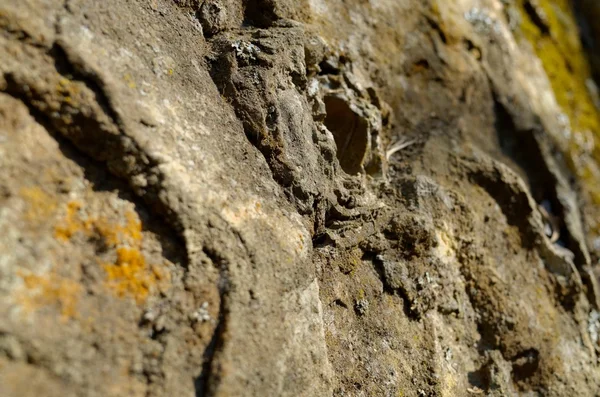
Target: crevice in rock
x: 536, y: 14
x: 518, y: 208
x: 172, y: 243
x: 480, y: 378
x: 525, y: 364
x: 207, y: 382
x: 351, y: 133
x: 260, y: 13
x: 435, y: 26
x: 67, y: 64
x: 256, y: 123
x: 98, y: 132
x: 340, y: 303
x: 101, y: 180
x: 586, y: 13
x: 521, y: 146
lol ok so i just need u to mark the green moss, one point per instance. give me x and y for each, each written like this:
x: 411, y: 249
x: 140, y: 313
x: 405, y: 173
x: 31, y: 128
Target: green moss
x: 568, y: 70
x: 361, y: 295
x: 348, y: 261
x: 564, y: 61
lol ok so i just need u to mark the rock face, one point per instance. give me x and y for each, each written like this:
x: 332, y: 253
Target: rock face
x: 298, y: 198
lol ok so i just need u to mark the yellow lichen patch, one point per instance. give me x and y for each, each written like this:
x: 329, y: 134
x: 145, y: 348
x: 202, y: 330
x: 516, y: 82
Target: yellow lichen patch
x: 69, y: 91
x: 129, y: 80
x: 40, y: 205
x: 559, y: 48
x: 348, y: 261
x: 49, y: 290
x: 117, y: 234
x: 72, y: 223
x: 361, y: 294
x: 129, y: 274
x: 301, y: 242
x: 564, y: 61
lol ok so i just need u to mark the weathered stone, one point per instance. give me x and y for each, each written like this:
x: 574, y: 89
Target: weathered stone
x: 297, y: 198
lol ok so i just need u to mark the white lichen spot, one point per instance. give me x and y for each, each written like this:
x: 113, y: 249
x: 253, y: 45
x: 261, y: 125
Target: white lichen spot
x: 594, y: 325
x: 448, y: 355
x: 201, y: 315
x: 362, y: 306
x: 482, y: 21
x: 313, y: 87
x: 245, y: 51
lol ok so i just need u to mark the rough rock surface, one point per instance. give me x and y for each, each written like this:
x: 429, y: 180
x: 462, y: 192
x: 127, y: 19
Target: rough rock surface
x: 298, y: 198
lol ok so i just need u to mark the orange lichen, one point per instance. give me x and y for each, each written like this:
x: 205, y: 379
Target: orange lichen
x: 117, y: 234
x: 73, y: 223
x: 49, y: 290
x: 129, y: 274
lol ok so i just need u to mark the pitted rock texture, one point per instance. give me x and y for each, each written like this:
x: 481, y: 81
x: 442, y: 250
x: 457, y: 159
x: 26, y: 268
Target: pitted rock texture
x: 295, y: 198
